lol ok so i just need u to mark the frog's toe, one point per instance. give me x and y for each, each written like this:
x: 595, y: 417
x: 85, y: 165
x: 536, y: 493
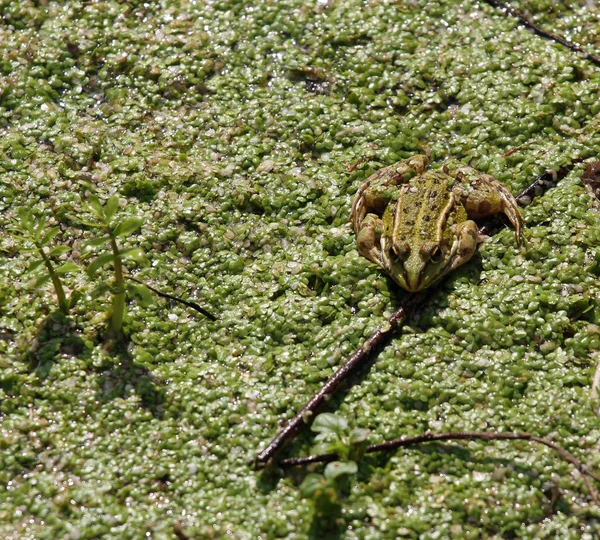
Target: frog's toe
x: 512, y: 212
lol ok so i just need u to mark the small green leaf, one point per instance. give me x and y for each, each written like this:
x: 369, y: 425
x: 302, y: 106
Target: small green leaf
x: 37, y: 231
x: 99, y: 262
x: 58, y: 250
x: 336, y: 469
x: 47, y: 238
x: 67, y: 268
x: 595, y: 267
x: 95, y: 207
x: 26, y: 218
x: 91, y: 224
x: 111, y: 207
x: 97, y: 241
x: 42, y: 280
x: 21, y: 238
x: 329, y: 423
x: 128, y: 226
x: 358, y: 435
x: 135, y: 254
x: 34, y: 266
x: 311, y: 484
x: 142, y: 293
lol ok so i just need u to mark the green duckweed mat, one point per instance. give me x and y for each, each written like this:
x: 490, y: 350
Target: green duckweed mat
x: 231, y: 128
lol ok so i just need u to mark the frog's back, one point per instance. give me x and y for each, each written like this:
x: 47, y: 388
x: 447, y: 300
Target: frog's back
x: 423, y: 203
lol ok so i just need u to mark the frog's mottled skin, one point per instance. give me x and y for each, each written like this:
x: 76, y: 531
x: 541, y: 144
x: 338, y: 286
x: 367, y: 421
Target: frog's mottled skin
x: 417, y: 224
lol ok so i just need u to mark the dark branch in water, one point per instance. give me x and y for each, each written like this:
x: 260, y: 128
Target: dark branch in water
x: 508, y: 10
x: 187, y: 303
x: 433, y: 437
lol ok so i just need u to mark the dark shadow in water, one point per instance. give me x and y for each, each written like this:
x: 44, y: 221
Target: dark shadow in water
x: 117, y: 375
x: 57, y: 335
x: 120, y: 373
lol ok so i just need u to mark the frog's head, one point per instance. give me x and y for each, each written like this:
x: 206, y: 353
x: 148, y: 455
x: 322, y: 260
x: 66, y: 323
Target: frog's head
x: 418, y: 266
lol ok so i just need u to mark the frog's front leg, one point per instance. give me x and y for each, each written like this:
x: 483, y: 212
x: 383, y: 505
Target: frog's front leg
x: 482, y: 195
x: 368, y: 238
x: 465, y: 244
x: 376, y: 192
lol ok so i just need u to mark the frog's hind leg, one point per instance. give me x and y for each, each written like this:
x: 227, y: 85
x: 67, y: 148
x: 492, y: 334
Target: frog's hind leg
x: 379, y: 189
x: 482, y: 195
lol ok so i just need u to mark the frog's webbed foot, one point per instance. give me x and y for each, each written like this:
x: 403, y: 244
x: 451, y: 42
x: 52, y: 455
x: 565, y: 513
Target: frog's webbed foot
x: 379, y: 189
x: 368, y: 239
x: 482, y: 195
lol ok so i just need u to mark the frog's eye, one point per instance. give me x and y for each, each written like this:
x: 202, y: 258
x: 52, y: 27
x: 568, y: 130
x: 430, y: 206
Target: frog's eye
x: 435, y: 256
x: 401, y: 249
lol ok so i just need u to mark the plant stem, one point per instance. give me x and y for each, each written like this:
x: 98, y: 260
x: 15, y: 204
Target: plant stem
x: 63, y: 304
x: 119, y: 294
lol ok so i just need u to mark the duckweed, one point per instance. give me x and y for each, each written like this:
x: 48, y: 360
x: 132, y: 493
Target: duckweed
x: 240, y: 132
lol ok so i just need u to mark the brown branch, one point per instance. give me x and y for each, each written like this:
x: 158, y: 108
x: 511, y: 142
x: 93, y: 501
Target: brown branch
x: 544, y: 33
x: 433, y: 437
x: 380, y: 337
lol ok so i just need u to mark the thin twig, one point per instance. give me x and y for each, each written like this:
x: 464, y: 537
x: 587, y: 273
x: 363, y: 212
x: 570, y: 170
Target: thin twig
x: 544, y: 33
x: 432, y: 437
x: 381, y: 336
x: 384, y: 333
x: 188, y: 303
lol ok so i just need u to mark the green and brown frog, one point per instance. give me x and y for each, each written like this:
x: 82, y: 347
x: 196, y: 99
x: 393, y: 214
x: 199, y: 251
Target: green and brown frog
x: 417, y: 224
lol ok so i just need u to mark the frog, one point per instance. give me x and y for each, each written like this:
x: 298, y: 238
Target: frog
x: 417, y: 224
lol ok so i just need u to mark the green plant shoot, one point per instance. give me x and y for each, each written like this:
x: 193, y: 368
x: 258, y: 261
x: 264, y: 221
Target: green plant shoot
x: 111, y: 230
x: 334, y: 436
x: 33, y: 230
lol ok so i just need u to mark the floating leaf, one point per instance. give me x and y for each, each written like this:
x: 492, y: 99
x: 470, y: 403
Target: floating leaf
x: 142, y: 293
x: 329, y: 423
x: 128, y: 226
x: 99, y: 262
x: 358, y: 435
x: 336, y: 469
